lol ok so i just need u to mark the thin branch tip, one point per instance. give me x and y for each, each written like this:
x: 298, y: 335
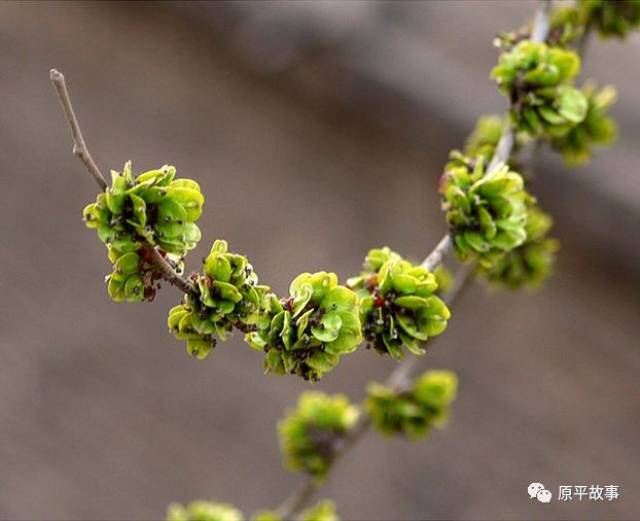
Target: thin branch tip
x: 80, y: 149
x: 55, y: 75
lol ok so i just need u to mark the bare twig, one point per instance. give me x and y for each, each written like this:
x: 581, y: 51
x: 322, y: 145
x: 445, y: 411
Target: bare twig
x: 504, y: 147
x: 435, y: 257
x: 297, y: 500
x: 81, y: 151
x: 400, y: 377
x: 540, y: 28
x: 79, y: 147
x: 583, y: 42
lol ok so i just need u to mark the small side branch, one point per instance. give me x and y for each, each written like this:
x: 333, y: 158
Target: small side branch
x: 504, y: 147
x: 298, y: 499
x: 169, y: 273
x: 540, y: 28
x: 80, y: 149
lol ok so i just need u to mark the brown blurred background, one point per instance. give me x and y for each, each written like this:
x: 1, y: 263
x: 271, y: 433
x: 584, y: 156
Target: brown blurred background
x: 317, y: 130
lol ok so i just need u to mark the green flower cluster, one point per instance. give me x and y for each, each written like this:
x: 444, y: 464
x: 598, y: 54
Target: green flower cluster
x: 611, y: 18
x: 486, y: 212
x: 203, y: 511
x: 412, y: 413
x: 537, y: 80
x: 323, y: 511
x: 227, y: 295
x: 137, y: 212
x: 530, y: 263
x: 398, y: 303
x: 566, y: 26
x: 307, y: 333
x: 308, y: 433
x: 597, y: 128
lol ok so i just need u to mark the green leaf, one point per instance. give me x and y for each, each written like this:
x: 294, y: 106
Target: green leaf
x: 170, y: 211
x: 228, y: 291
x: 199, y: 349
x: 134, y: 288
x: 411, y: 302
x: 128, y: 263
x: 328, y: 329
x: 191, y: 201
x: 218, y: 267
x: 572, y: 105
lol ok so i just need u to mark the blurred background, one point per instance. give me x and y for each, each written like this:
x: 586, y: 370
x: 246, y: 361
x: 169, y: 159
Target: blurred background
x: 317, y: 130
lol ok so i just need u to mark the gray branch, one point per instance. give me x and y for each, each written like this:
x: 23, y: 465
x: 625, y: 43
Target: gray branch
x: 401, y: 376
x: 169, y: 273
x: 80, y: 149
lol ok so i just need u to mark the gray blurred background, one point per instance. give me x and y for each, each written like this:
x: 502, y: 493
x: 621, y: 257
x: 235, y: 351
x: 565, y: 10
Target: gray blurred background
x: 317, y: 130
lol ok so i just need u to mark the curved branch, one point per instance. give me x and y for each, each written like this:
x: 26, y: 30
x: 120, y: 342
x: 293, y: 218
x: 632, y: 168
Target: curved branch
x: 437, y: 255
x: 401, y: 376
